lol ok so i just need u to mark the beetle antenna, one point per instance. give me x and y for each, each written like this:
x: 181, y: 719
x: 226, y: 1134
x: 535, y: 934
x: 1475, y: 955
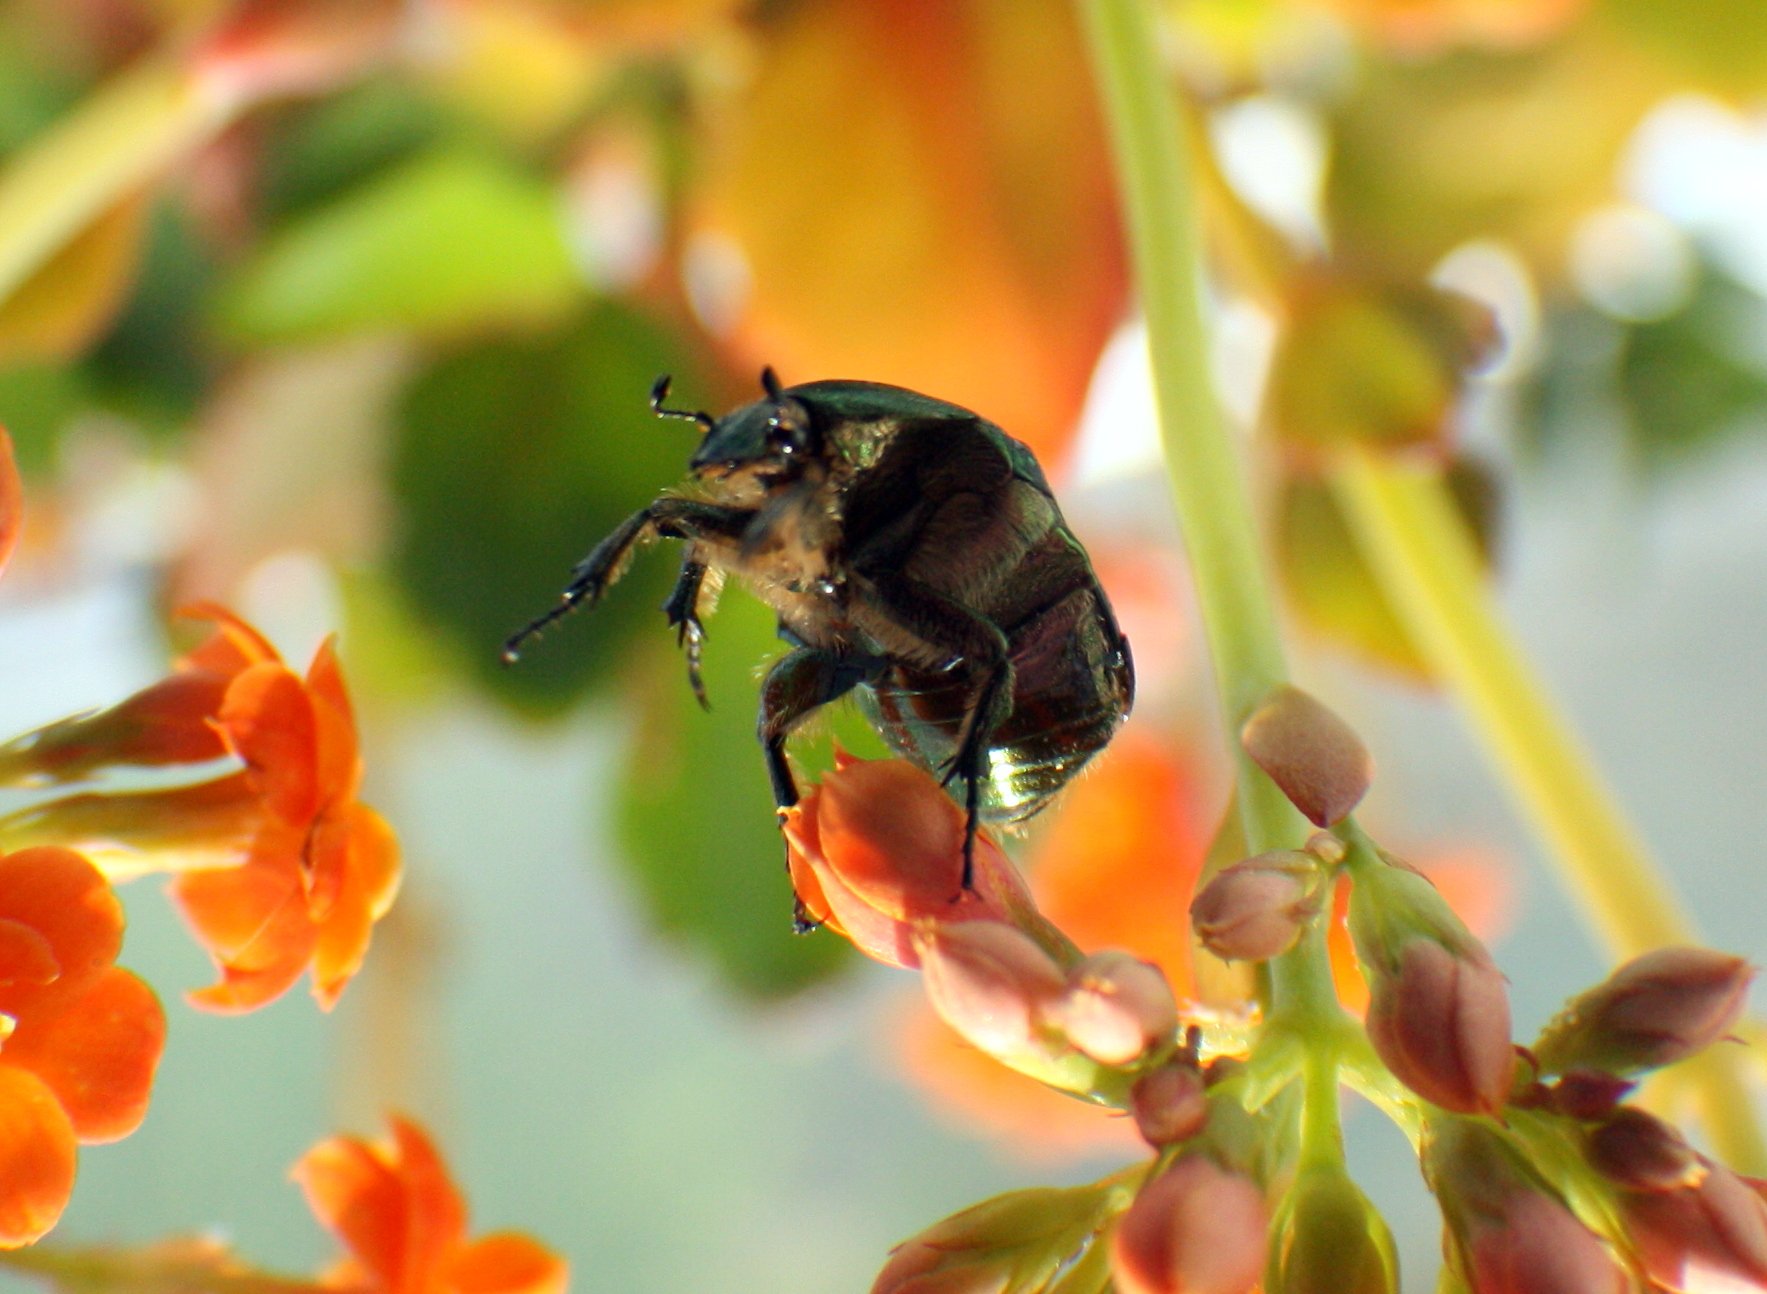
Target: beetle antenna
x: 770, y: 384
x: 659, y: 392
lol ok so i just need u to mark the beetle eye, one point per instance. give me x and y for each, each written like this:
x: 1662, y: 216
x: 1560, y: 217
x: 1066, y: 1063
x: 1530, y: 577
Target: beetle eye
x: 785, y: 435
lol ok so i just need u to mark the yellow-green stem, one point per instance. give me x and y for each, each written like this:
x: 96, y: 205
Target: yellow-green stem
x: 1419, y: 548
x: 1207, y: 476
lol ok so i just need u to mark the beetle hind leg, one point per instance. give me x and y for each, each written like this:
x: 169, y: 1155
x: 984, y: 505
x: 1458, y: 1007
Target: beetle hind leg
x: 992, y: 706
x: 801, y: 681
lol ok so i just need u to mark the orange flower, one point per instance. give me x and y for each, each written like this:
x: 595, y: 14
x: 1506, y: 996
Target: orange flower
x: 403, y: 1222
x: 79, y: 1036
x: 320, y: 867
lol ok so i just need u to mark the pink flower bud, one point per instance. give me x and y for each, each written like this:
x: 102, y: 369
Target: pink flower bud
x: 1315, y: 757
x: 1168, y: 1102
x: 1328, y: 1239
x: 1257, y: 908
x: 988, y: 980
x: 1639, y: 1150
x: 1507, y: 1232
x: 1115, y: 1008
x: 878, y: 846
x: 1194, y: 1229
x: 1441, y: 1024
x: 1653, y: 1011
x: 1707, y: 1237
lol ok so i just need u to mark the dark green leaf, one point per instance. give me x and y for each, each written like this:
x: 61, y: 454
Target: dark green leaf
x: 511, y: 461
x: 697, y: 814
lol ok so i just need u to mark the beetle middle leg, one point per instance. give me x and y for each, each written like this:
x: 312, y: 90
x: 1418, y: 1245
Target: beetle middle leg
x: 682, y: 608
x: 801, y: 681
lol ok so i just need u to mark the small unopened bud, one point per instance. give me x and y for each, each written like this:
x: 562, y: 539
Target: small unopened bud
x: 1509, y: 1233
x: 1194, y: 1229
x: 1653, y: 1011
x: 1315, y: 757
x: 1115, y: 1007
x: 1438, y: 1010
x: 1640, y: 1151
x: 1326, y: 847
x: 1709, y: 1235
x: 1441, y: 1024
x: 987, y: 980
x: 1257, y: 908
x: 1168, y: 1102
x: 1330, y: 1240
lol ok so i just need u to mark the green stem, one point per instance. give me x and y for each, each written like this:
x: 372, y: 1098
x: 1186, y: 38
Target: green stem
x: 1425, y: 559
x: 1208, y: 480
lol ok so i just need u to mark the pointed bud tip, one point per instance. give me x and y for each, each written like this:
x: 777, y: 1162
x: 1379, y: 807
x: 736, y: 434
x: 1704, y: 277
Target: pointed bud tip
x: 1315, y: 757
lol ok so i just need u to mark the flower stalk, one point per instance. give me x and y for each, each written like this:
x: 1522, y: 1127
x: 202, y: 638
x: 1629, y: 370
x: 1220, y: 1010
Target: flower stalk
x: 1209, y: 486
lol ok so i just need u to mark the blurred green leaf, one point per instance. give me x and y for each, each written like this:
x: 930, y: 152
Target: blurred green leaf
x: 452, y: 239
x: 1514, y: 145
x: 36, y: 402
x: 696, y: 812
x: 511, y: 461
x: 1331, y: 587
x: 1371, y: 362
x: 1687, y: 378
x: 1719, y: 42
x: 319, y: 151
x: 156, y: 365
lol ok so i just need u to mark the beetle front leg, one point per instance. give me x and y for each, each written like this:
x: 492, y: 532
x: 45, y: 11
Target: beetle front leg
x: 802, y: 680
x: 668, y: 517
x: 682, y: 608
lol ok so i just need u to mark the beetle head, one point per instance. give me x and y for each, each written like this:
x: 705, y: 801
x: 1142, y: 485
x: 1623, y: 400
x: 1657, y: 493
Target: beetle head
x: 774, y: 439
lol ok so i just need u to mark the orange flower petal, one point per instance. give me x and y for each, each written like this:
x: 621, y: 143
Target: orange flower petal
x: 357, y: 1195
x: 436, y: 1217
x: 233, y: 646
x: 62, y: 896
x: 253, y: 921
x: 507, y: 1262
x: 339, y: 763
x: 11, y: 499
x: 25, y: 956
x: 270, y: 724
x: 96, y: 1045
x: 358, y: 847
x: 37, y: 1155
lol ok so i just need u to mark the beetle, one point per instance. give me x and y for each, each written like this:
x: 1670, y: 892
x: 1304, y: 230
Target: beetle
x: 914, y: 555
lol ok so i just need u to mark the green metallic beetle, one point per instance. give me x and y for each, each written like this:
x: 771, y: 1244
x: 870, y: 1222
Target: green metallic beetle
x: 913, y: 552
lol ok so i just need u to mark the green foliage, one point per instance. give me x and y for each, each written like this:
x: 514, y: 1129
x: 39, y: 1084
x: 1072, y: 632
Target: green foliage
x: 452, y: 239
x: 512, y: 459
x: 696, y: 812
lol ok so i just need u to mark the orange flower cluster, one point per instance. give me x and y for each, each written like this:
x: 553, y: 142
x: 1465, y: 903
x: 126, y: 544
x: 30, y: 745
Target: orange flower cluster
x: 80, y: 1037
x: 279, y: 867
x: 403, y: 1223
